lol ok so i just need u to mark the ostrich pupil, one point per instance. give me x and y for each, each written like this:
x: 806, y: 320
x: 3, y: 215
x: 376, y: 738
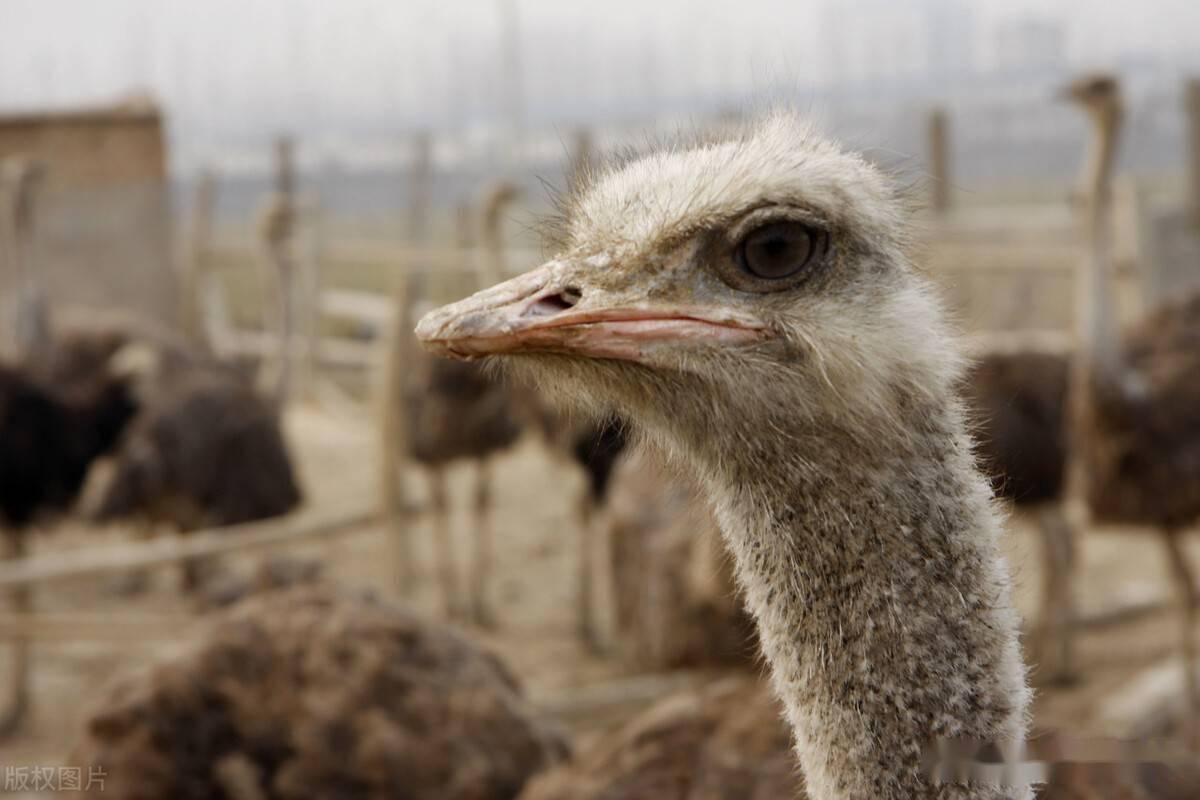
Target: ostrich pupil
x: 777, y: 250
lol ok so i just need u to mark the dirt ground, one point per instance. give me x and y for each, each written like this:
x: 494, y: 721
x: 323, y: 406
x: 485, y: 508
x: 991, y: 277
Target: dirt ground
x: 1124, y: 653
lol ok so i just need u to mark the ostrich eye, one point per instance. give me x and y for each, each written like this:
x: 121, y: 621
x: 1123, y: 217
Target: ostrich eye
x: 778, y: 249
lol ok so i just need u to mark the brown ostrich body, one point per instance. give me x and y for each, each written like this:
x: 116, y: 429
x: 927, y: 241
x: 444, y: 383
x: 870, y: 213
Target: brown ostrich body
x: 205, y: 449
x: 308, y: 693
x: 750, y: 306
x: 455, y: 411
x: 1143, y: 466
x: 1018, y: 401
x: 1018, y: 406
x: 724, y: 741
x: 49, y: 438
x: 676, y: 598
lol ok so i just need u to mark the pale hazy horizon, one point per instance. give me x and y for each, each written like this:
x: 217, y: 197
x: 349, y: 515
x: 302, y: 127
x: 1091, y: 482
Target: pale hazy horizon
x: 232, y: 73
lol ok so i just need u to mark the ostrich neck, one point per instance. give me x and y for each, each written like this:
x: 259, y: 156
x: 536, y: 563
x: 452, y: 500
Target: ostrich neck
x: 32, y: 316
x: 493, y: 242
x: 882, y: 602
x: 284, y: 266
x: 1095, y: 299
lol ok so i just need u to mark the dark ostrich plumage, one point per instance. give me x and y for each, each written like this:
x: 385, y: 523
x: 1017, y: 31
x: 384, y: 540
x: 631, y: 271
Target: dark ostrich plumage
x: 206, y: 451
x: 1142, y: 442
x: 456, y: 410
x: 312, y: 693
x: 598, y: 447
x: 49, y: 438
x: 723, y: 740
x: 1018, y: 401
x: 727, y: 741
x: 81, y: 349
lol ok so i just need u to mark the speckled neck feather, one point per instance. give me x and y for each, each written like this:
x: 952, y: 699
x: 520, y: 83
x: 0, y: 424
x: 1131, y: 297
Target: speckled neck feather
x: 881, y: 598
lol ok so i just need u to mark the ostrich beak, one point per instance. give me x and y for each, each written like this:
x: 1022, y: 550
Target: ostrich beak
x: 1066, y: 94
x: 544, y: 311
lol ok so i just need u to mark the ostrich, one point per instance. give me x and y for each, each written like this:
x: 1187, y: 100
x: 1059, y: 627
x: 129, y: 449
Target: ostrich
x: 206, y: 449
x: 456, y: 411
x: 750, y: 306
x: 597, y: 446
x: 1018, y: 401
x: 722, y: 741
x: 49, y: 434
x: 316, y: 693
x: 47, y: 442
x: 453, y: 411
x: 1135, y: 401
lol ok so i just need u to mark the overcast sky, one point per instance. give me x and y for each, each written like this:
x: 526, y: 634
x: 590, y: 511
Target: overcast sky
x: 231, y: 68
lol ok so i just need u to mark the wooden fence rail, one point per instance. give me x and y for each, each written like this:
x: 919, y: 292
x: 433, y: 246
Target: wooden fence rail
x: 157, y: 552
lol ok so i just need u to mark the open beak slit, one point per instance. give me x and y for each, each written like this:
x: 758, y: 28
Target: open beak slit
x: 534, y: 313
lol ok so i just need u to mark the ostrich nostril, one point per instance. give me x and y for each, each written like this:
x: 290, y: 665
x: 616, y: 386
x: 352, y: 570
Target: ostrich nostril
x: 554, y: 303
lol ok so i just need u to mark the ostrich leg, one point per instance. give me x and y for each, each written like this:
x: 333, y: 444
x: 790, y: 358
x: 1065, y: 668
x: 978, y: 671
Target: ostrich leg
x: 442, y: 542
x: 1056, y: 627
x: 1185, y: 584
x: 481, y: 564
x: 21, y: 605
x: 596, y: 590
x: 135, y: 581
x: 195, y: 572
x: 587, y: 600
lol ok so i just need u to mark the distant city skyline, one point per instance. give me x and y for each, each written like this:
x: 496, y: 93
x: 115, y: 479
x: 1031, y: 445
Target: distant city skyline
x: 233, y: 73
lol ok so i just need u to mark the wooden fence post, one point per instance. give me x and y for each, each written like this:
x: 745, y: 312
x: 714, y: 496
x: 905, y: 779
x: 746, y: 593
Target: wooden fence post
x: 195, y: 275
x: 277, y: 223
x: 1192, y: 106
x: 939, y: 159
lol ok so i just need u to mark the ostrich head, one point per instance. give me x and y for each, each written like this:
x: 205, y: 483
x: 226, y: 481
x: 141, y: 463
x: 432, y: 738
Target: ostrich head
x: 1099, y: 94
x: 758, y: 282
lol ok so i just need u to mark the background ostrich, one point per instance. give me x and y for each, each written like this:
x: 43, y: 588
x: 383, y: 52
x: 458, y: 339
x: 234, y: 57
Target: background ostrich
x: 452, y: 411
x: 206, y: 448
x: 760, y: 321
x: 49, y: 434
x: 309, y: 693
x: 1135, y: 401
x: 47, y: 443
